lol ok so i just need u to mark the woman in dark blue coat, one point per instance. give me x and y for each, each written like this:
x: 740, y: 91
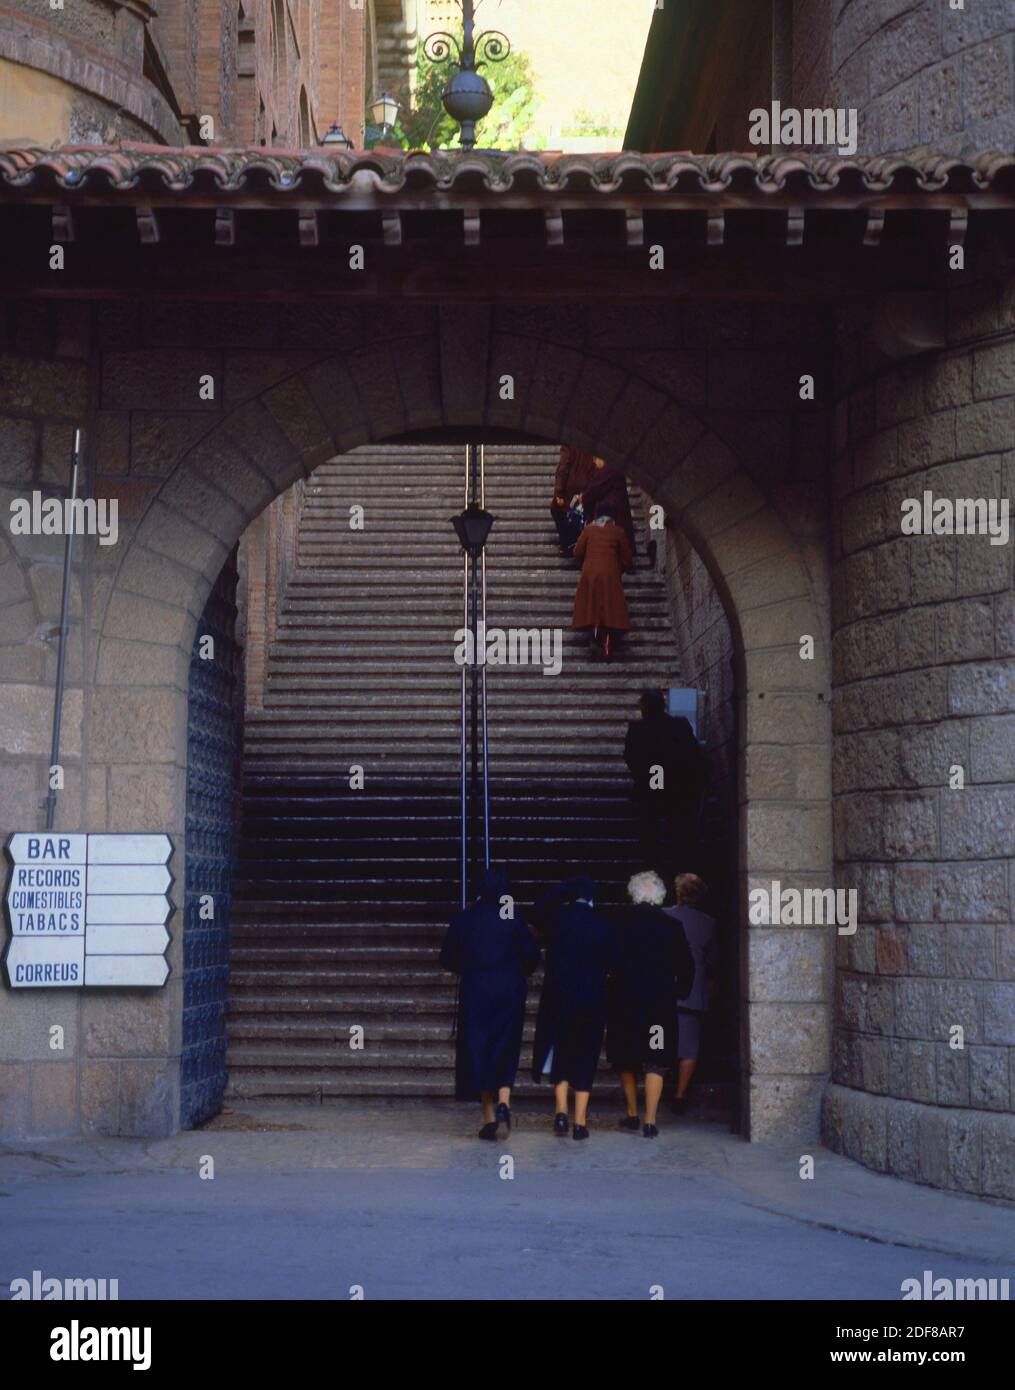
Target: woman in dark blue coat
x: 491, y: 948
x: 581, y: 950
x: 656, y: 969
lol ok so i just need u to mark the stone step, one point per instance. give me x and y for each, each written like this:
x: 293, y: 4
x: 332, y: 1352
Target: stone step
x: 342, y: 897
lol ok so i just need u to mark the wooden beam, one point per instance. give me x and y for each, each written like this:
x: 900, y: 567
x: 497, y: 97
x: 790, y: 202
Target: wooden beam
x: 635, y: 219
x: 471, y: 221
x: 225, y: 227
x: 310, y: 232
x: 147, y: 225
x: 875, y: 226
x: 958, y: 225
x: 795, y: 220
x: 553, y: 220
x: 391, y: 220
x: 63, y: 223
x: 717, y: 228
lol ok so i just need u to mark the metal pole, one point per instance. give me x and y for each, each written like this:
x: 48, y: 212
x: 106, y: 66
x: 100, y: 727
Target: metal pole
x: 486, y: 734
x: 61, y: 658
x: 465, y: 629
x: 474, y: 604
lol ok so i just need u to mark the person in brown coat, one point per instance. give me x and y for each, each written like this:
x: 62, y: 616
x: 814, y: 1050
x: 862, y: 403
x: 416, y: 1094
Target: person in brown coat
x: 599, y: 605
x: 575, y: 469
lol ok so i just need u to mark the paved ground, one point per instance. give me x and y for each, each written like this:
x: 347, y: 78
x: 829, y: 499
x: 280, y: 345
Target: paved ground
x: 403, y: 1200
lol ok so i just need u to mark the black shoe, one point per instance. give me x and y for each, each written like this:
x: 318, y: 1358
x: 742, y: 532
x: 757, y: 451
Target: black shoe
x: 679, y: 1105
x: 504, y: 1116
x: 560, y: 1123
x: 630, y: 1122
x: 489, y: 1131
x: 579, y: 1132
x: 650, y: 1132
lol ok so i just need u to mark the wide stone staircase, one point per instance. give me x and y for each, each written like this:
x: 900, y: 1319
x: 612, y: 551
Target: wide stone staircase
x: 343, y: 891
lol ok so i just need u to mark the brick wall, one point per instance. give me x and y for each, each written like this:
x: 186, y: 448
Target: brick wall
x: 923, y: 647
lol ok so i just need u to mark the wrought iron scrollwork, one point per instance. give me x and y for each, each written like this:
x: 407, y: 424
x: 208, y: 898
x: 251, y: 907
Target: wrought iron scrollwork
x: 492, y: 47
x: 467, y: 96
x: 438, y: 48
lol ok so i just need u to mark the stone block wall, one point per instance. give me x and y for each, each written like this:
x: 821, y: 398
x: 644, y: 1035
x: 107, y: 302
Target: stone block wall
x: 923, y: 73
x: 924, y: 669
x: 214, y: 728
x: 707, y: 656
x: 699, y: 405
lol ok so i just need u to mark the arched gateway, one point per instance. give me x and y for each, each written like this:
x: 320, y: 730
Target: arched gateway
x: 701, y: 396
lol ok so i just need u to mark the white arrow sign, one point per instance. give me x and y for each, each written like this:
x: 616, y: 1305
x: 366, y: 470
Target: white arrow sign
x: 126, y: 970
x: 56, y: 964
x: 47, y: 899
x: 126, y: 907
x: 129, y: 849
x: 129, y: 878
x: 48, y: 849
x: 126, y: 941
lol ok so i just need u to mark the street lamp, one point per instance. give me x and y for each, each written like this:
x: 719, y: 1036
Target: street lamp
x: 472, y: 527
x: 467, y: 96
x: 384, y: 110
x: 337, y: 137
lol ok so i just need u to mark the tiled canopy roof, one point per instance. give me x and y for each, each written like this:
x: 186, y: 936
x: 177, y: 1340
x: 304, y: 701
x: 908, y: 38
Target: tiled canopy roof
x: 202, y: 171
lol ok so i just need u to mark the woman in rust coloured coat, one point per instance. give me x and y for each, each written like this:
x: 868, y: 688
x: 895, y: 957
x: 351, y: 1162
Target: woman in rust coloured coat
x: 599, y: 605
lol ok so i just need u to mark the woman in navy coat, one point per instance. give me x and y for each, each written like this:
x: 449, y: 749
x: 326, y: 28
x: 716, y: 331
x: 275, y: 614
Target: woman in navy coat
x: 581, y: 950
x: 489, y: 946
x: 656, y: 969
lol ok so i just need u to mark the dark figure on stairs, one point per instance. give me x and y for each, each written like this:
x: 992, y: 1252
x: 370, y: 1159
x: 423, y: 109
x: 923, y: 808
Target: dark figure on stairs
x: 608, y: 489
x: 575, y: 469
x: 670, y: 772
x: 581, y: 950
x: 489, y: 946
x: 656, y: 970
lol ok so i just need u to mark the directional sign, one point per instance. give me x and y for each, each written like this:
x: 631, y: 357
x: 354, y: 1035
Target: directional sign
x: 88, y: 910
x: 56, y: 964
x: 126, y: 941
x: 127, y: 907
x: 126, y: 970
x: 129, y: 849
x: 129, y: 878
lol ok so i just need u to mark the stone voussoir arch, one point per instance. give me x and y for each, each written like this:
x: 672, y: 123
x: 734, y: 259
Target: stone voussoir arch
x: 320, y: 406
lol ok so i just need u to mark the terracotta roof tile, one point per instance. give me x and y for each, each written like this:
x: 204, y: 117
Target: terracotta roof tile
x: 158, y: 168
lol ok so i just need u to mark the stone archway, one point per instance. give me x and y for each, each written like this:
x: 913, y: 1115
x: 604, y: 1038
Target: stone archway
x: 284, y: 412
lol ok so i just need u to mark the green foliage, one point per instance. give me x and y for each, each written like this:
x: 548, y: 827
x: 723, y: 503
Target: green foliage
x: 584, y: 123
x: 428, y: 126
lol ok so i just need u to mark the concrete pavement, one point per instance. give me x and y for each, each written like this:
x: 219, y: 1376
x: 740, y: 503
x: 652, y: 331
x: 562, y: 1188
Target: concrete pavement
x: 402, y: 1199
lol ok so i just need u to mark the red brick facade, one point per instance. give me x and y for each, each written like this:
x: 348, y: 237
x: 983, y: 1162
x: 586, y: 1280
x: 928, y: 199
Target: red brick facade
x: 271, y: 72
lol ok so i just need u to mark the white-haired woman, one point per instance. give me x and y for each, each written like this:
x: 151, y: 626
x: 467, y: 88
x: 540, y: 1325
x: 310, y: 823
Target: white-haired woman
x: 656, y: 969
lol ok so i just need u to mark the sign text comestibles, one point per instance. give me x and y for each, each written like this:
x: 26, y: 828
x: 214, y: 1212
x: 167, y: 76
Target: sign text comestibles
x: 87, y: 910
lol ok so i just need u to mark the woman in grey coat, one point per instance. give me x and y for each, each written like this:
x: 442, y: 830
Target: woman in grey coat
x: 700, y: 930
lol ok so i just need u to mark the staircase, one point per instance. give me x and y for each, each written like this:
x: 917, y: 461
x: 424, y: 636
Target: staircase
x: 342, y: 895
